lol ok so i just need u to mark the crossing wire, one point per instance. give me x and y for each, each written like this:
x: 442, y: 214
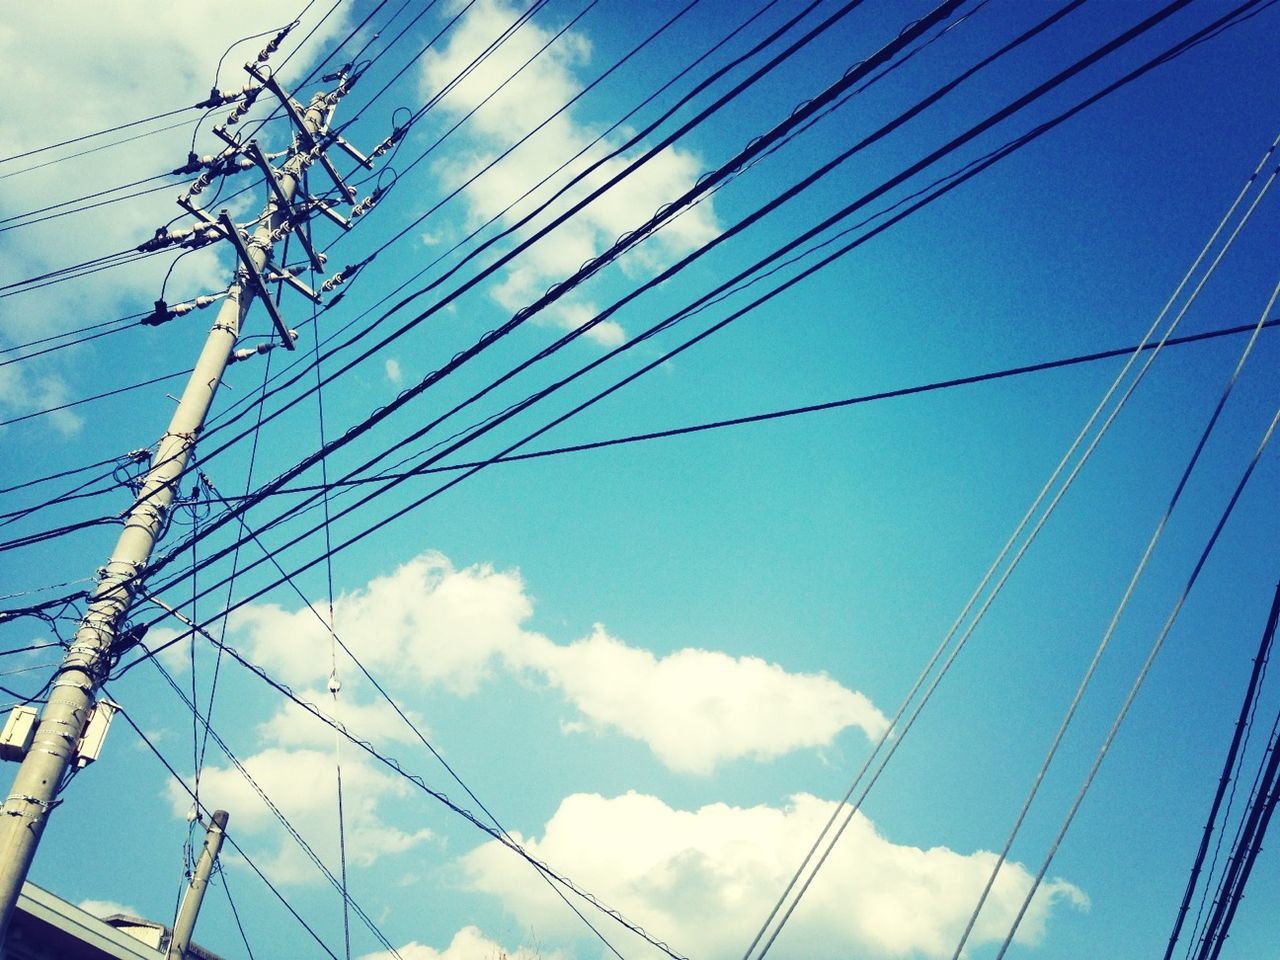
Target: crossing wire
x: 758, y: 47
x: 155, y: 751
x: 1243, y: 722
x: 558, y: 290
x: 970, y: 173
x: 658, y: 279
x: 1138, y: 682
x: 951, y: 184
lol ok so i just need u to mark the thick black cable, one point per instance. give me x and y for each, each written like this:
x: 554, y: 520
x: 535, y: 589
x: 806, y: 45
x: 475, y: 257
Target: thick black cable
x: 1228, y: 768
x: 87, y: 338
x: 971, y: 172
x: 546, y: 391
x: 787, y: 412
x: 67, y: 203
x: 58, y: 476
x: 97, y: 396
x: 558, y: 290
x: 99, y: 133
x: 75, y: 271
x: 235, y: 914
x: 67, y: 496
x: 1042, y: 129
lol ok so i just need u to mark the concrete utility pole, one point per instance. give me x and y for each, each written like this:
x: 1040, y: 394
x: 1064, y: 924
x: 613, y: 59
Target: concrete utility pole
x: 25, y: 811
x: 191, y: 900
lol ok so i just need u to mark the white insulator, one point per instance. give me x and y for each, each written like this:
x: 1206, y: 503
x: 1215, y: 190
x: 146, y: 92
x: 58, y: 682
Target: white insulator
x: 173, y: 236
x: 334, y: 683
x: 206, y: 300
x: 323, y: 258
x: 293, y: 335
x: 244, y: 163
x: 181, y: 309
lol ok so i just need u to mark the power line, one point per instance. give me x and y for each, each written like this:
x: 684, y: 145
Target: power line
x: 1247, y: 706
x: 826, y: 261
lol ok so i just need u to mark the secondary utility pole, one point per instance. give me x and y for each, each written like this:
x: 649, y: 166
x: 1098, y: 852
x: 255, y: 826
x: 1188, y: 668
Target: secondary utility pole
x: 185, y: 923
x: 53, y: 750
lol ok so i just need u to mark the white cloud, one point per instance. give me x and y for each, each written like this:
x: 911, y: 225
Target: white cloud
x: 698, y: 708
x: 670, y: 870
x: 374, y: 722
x: 429, y: 623
x: 393, y: 371
x: 546, y: 84
x: 302, y: 784
x: 467, y: 944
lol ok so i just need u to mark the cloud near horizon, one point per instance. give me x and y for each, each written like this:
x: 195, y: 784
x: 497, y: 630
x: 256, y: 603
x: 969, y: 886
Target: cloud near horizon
x: 670, y: 870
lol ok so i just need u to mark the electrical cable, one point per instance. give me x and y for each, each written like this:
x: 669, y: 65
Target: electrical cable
x: 418, y: 782
x: 97, y: 396
x: 561, y: 288
x: 787, y: 412
x: 337, y: 641
x: 99, y: 133
x: 1228, y: 766
x: 1138, y: 681
x: 226, y: 836
x: 1119, y: 611
x: 275, y: 810
x: 235, y: 914
x: 105, y: 146
x: 1004, y: 552
x: 972, y: 172
x: 58, y: 476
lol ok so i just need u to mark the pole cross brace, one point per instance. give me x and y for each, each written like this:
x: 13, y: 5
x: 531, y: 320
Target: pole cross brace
x: 254, y: 276
x: 307, y: 138
x: 277, y: 274
x: 294, y: 216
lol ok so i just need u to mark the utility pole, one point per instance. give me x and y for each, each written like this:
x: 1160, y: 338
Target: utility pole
x: 185, y: 923
x: 53, y: 749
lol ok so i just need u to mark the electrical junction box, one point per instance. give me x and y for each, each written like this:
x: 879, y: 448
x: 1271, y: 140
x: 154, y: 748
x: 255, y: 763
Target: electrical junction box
x: 95, y: 732
x: 19, y: 730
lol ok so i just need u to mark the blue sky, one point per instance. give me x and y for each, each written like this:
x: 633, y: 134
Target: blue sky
x: 659, y: 663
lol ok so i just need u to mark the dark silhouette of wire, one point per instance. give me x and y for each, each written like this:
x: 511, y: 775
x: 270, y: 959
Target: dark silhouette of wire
x: 1228, y: 767
x: 97, y: 396
x: 99, y: 133
x: 226, y: 836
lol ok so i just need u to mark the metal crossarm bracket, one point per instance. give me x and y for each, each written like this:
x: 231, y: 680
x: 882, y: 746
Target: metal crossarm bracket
x: 297, y: 219
x: 352, y: 152
x: 321, y: 205
x: 198, y: 212
x: 255, y: 277
x: 308, y: 139
x: 282, y: 274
